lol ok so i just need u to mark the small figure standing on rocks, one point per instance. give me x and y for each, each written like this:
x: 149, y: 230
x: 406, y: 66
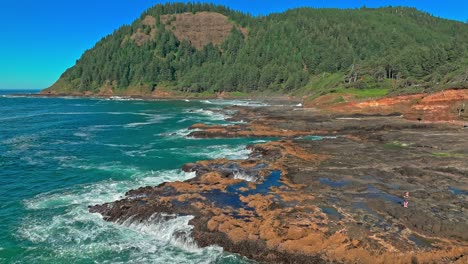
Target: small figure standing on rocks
x: 405, y: 201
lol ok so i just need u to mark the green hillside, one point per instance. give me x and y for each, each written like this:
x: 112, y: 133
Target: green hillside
x: 300, y: 51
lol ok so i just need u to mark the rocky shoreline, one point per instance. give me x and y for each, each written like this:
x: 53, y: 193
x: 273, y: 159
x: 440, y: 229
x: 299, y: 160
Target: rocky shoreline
x: 166, y: 95
x: 329, y: 189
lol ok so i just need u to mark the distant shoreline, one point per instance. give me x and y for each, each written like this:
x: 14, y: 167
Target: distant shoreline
x: 283, y: 98
x: 19, y: 91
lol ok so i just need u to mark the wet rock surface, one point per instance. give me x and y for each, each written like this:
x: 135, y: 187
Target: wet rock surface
x: 329, y: 189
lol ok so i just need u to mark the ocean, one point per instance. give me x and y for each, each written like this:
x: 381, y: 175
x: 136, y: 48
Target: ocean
x: 60, y: 155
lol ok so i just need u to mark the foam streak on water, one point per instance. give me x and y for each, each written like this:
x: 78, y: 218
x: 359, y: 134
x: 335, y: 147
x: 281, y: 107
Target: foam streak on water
x: 60, y: 156
x: 235, y: 102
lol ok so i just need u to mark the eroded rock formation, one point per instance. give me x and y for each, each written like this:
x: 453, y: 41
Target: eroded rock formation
x: 336, y: 197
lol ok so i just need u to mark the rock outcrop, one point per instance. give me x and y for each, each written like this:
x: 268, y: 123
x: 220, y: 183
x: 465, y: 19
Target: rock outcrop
x: 333, y: 198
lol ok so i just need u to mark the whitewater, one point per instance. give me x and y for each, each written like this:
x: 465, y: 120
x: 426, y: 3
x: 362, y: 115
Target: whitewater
x: 60, y: 155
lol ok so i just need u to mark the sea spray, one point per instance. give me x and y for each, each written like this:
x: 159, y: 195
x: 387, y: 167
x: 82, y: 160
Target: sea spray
x: 213, y: 115
x: 58, y: 158
x: 172, y: 228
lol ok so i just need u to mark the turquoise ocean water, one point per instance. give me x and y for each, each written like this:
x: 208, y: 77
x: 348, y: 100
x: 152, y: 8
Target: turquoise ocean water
x: 60, y: 155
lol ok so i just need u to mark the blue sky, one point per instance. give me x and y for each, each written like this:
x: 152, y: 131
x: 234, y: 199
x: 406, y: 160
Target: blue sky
x: 39, y: 39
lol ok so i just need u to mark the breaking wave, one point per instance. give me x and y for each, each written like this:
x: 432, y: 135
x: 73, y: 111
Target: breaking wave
x: 151, y: 119
x: 226, y: 151
x: 66, y: 156
x: 71, y: 229
x: 211, y: 114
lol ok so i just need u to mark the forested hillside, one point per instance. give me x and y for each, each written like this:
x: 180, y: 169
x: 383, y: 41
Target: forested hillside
x: 207, y: 48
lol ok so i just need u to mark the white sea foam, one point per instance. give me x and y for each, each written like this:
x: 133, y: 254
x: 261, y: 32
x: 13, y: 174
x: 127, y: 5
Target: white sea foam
x: 239, y: 122
x: 114, y: 167
x: 70, y: 97
x: 18, y: 140
x: 19, y: 117
x: 60, y: 220
x: 152, y: 119
x: 65, y: 159
x: 228, y: 152
x: 143, y: 151
x: 183, y: 120
x: 100, y: 127
x: 220, y: 151
x: 245, y: 177
x: 137, y: 124
x: 185, y: 132
x: 312, y: 137
x: 81, y: 134
x: 235, y: 102
x: 13, y: 96
x: 117, y: 145
x: 75, y: 230
x: 155, y: 178
x: 122, y: 98
x: 72, y: 113
x: 177, y: 133
x: 100, y: 113
x: 137, y: 153
x: 212, y: 115
x: 91, y: 113
x: 175, y: 230
x: 26, y: 148
x: 22, y: 145
x: 33, y: 161
x: 105, y: 191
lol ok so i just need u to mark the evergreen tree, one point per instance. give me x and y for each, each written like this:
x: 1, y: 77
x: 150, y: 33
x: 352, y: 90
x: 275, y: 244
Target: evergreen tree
x: 280, y: 52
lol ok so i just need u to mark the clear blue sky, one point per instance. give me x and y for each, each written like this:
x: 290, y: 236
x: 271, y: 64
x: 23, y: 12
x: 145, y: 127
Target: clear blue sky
x: 39, y: 39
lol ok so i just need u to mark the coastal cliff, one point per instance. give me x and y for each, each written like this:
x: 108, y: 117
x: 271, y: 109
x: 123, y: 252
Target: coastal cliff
x: 201, y: 49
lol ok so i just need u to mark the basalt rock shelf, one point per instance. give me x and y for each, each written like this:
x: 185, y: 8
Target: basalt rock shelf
x: 330, y: 189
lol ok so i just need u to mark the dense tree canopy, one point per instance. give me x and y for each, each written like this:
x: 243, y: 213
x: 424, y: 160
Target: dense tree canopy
x: 394, y: 47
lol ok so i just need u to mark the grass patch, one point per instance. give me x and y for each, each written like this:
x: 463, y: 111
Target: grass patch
x: 363, y: 93
x: 326, y: 83
x: 321, y: 84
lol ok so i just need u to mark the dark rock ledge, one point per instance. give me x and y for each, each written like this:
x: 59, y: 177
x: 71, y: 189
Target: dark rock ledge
x: 322, y: 199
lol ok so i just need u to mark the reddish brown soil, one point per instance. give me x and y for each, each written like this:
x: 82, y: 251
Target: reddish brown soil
x: 441, y: 106
x: 140, y: 37
x: 201, y: 28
